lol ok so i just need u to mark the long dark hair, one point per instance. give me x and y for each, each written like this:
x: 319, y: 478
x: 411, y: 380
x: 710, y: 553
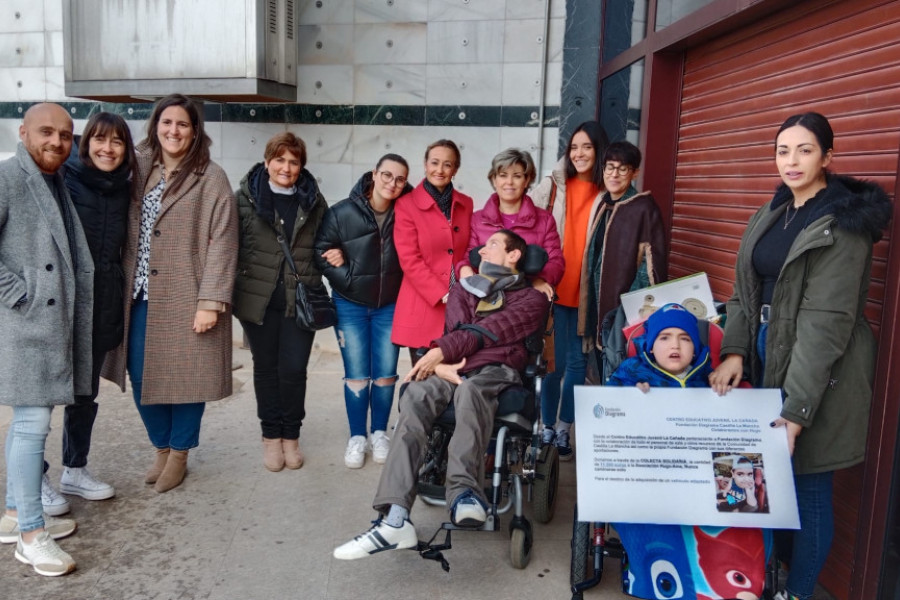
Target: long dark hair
x: 814, y: 122
x: 106, y: 123
x: 600, y: 140
x: 197, y: 157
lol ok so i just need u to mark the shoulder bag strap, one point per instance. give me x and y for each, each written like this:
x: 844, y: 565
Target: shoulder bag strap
x: 552, y: 200
x: 287, y: 255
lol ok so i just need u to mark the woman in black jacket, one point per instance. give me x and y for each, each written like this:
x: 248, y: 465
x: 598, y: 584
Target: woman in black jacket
x: 278, y: 197
x: 98, y: 177
x: 355, y: 250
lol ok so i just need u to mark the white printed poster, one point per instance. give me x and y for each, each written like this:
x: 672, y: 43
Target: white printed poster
x: 683, y: 456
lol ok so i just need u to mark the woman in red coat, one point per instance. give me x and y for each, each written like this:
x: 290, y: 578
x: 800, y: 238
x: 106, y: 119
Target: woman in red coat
x: 431, y: 231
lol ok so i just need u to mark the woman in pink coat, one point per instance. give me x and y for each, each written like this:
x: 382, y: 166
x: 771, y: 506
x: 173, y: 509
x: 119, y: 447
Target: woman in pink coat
x: 431, y: 230
x: 512, y: 172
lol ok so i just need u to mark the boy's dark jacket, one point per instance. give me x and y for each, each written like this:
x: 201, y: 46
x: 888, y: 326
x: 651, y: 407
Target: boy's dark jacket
x: 641, y: 368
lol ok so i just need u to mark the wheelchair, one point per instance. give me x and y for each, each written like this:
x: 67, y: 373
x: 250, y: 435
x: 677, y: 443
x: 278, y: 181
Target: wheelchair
x: 517, y: 467
x: 593, y: 542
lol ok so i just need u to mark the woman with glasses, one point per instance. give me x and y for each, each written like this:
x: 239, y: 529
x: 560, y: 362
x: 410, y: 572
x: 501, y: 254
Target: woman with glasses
x: 511, y: 174
x: 355, y: 251
x: 626, y: 242
x: 431, y: 233
x: 571, y: 194
x: 278, y: 198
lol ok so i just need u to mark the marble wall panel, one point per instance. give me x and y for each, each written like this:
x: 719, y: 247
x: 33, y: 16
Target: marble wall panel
x: 53, y: 15
x: 465, y: 42
x: 395, y: 11
x: 524, y: 40
x: 371, y: 142
x: 22, y: 50
x: 466, y: 10
x: 390, y: 84
x: 325, y: 44
x: 19, y: 16
x: 247, y: 140
x: 521, y: 84
x: 389, y: 43
x: 22, y: 84
x: 326, y: 143
x: 535, y: 9
x: 325, y: 84
x: 321, y: 12
x: 9, y: 135
x: 464, y: 84
x: 334, y: 180
x: 53, y: 48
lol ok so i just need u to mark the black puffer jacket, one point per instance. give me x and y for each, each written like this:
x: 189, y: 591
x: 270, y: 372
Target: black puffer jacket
x: 261, y: 265
x: 371, y: 273
x: 101, y: 200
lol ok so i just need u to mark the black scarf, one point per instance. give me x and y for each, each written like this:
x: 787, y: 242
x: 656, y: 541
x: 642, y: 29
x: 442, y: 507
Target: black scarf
x: 444, y: 199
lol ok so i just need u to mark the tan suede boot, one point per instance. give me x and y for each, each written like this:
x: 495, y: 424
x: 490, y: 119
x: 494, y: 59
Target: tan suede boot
x: 174, y: 471
x: 159, y: 463
x: 293, y: 458
x: 273, y: 454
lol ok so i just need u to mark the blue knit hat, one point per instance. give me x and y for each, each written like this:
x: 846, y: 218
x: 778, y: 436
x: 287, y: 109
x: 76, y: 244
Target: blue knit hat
x: 672, y: 315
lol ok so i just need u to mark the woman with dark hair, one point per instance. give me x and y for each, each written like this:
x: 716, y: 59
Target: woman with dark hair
x: 431, y: 232
x: 278, y: 198
x: 180, y: 259
x: 796, y: 322
x: 355, y: 250
x: 572, y: 195
x: 509, y: 207
x: 98, y: 177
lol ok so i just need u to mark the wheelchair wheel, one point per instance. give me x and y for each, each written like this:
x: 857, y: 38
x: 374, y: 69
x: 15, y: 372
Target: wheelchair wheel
x: 519, y: 548
x: 581, y: 551
x: 546, y: 483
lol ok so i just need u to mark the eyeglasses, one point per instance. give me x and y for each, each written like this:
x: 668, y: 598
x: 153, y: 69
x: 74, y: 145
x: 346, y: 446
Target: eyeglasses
x: 610, y: 168
x: 387, y: 177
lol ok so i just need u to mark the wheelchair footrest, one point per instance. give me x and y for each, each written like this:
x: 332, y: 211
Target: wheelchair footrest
x: 431, y: 551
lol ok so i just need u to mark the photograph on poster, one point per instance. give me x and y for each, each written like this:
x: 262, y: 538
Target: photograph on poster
x: 740, y: 482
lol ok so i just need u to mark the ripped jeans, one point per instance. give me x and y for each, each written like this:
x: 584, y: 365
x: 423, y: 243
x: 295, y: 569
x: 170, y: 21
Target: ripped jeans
x: 370, y: 362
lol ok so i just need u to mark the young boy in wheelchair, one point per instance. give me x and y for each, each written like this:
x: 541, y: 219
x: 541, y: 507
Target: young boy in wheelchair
x: 488, y: 317
x: 683, y: 561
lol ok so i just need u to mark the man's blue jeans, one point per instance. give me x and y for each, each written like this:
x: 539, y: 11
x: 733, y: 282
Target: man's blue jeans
x: 570, y: 369
x: 175, y: 426
x: 812, y: 542
x: 370, y: 360
x: 25, y: 464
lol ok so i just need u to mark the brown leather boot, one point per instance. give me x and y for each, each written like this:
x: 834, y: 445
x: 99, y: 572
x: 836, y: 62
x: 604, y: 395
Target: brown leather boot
x: 159, y: 463
x: 273, y: 454
x: 293, y: 458
x: 173, y: 473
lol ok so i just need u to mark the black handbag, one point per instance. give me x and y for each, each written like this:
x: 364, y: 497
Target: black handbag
x: 313, y: 307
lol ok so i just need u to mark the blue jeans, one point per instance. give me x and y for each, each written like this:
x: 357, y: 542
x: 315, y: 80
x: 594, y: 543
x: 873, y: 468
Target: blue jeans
x: 811, y: 543
x: 571, y: 363
x: 175, y: 426
x: 370, y: 362
x: 25, y: 464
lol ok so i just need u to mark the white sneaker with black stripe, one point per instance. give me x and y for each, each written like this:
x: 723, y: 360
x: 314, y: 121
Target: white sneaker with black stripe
x: 379, y: 538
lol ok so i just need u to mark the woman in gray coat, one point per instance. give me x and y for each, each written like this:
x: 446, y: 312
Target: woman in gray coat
x: 796, y: 322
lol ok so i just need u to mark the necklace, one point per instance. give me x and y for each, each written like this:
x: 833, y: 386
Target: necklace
x: 788, y: 220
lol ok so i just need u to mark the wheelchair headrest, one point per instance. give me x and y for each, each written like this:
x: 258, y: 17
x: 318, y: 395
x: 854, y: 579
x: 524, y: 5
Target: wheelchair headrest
x: 533, y: 263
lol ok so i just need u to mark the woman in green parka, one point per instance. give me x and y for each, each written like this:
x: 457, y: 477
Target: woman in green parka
x: 278, y: 197
x: 796, y: 322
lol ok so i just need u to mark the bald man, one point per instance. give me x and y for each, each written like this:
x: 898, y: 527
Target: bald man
x: 46, y: 297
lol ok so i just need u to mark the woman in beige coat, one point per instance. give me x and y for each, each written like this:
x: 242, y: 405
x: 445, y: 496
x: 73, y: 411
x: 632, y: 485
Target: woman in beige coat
x: 179, y: 263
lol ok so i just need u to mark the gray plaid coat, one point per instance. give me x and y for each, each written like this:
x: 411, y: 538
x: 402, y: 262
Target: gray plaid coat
x: 193, y: 252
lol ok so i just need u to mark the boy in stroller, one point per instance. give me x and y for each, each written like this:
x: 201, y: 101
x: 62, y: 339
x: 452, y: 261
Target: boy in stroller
x: 683, y: 561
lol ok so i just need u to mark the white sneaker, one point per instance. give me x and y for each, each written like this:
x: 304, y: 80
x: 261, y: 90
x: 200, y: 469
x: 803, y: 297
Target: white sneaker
x: 80, y: 482
x: 57, y: 528
x: 54, y: 504
x: 379, y: 538
x: 381, y: 445
x: 45, y: 556
x: 355, y: 454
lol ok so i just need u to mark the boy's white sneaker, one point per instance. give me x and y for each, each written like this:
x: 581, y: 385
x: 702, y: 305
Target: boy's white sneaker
x: 381, y: 445
x: 355, y: 454
x: 54, y: 503
x: 80, y: 482
x: 45, y: 556
x: 378, y: 538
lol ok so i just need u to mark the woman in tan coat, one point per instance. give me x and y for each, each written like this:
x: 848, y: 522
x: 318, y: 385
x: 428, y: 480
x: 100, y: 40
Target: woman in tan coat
x: 179, y: 264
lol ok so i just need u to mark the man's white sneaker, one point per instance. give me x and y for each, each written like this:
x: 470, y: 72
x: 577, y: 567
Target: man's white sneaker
x: 468, y: 511
x: 57, y: 528
x: 355, y: 454
x: 379, y: 538
x: 381, y: 445
x: 80, y: 482
x: 54, y: 504
x: 45, y: 556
